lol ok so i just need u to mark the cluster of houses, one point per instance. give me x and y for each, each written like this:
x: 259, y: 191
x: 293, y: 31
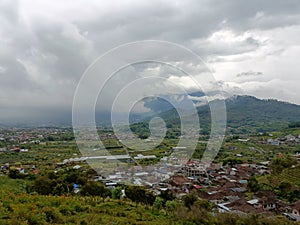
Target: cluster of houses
x: 290, y: 140
x: 14, y: 148
x: 226, y: 186
x: 19, y: 135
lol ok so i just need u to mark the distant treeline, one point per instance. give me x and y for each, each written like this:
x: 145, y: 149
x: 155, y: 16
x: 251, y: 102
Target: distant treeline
x: 294, y: 124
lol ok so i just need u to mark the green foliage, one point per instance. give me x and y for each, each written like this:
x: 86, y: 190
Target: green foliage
x: 279, y: 163
x: 205, y: 204
x: 232, y: 161
x: 21, y: 208
x: 286, y: 184
x: 193, y: 215
x: 16, y: 186
x: 294, y: 124
x: 139, y: 194
x: 93, y: 188
x: 245, y: 114
x: 158, y: 203
x: 284, y: 188
x: 117, y: 193
x: 141, y: 130
x: 189, y: 200
x: 226, y: 219
x: 171, y: 206
x: 15, y: 174
x: 43, y: 185
x: 253, y: 184
x: 167, y: 195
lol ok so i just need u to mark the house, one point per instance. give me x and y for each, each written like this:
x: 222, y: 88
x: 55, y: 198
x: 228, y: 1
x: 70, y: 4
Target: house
x: 253, y: 202
x: 194, y: 169
x: 268, y: 203
x: 223, y: 208
x: 76, y: 167
x: 244, y: 206
x: 3, y: 149
x: 290, y: 138
x: 179, y: 180
x: 15, y: 149
x: 271, y: 141
x: 20, y: 169
x: 267, y: 200
x: 239, y: 190
x: 243, y: 140
x: 296, y: 208
x: 140, y: 156
x: 213, y: 196
x: 293, y: 212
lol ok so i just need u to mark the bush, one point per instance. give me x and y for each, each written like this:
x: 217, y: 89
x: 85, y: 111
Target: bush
x: 139, y: 195
x: 93, y: 188
x: 171, y: 206
x: 43, y: 185
x: 189, y: 200
x: 158, y: 203
x: 117, y: 193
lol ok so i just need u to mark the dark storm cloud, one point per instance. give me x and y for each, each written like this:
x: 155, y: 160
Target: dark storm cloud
x: 46, y: 46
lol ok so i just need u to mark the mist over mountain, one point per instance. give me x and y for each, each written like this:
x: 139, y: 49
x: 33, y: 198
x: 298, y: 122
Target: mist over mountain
x: 244, y: 114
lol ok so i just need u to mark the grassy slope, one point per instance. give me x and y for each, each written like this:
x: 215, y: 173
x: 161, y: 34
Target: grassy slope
x: 18, y: 207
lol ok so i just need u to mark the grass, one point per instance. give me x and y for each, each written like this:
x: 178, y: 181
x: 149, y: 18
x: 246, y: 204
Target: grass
x: 23, y: 208
x: 290, y: 175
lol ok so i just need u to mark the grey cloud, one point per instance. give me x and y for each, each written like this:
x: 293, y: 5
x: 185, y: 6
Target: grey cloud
x: 249, y: 73
x: 2, y: 69
x: 245, y: 15
x: 45, y: 49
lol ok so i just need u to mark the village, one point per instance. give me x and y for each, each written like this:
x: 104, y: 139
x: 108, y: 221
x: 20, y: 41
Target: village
x: 226, y: 185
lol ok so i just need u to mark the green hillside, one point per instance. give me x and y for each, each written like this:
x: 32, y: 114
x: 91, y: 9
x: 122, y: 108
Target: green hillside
x: 290, y: 175
x: 244, y: 114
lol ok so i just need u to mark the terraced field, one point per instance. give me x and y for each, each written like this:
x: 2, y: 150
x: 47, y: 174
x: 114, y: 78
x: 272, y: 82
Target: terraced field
x: 291, y: 175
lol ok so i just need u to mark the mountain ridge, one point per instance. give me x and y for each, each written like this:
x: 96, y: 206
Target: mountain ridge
x: 246, y: 114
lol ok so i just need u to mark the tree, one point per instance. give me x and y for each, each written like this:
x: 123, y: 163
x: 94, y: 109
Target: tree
x: 158, y: 203
x: 149, y: 199
x: 232, y: 161
x: 94, y: 188
x: 284, y: 188
x: 60, y: 189
x: 43, y: 185
x: 117, y: 193
x: 139, y: 195
x: 189, y: 200
x: 171, y: 206
x: 14, y: 173
x: 293, y: 195
x: 253, y: 184
x: 280, y: 163
x: 205, y: 204
x: 71, y: 176
x: 167, y: 195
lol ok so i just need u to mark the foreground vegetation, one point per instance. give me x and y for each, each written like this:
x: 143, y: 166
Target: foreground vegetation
x: 19, y: 207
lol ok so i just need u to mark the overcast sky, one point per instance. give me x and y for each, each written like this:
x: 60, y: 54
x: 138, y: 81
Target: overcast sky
x: 252, y: 47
